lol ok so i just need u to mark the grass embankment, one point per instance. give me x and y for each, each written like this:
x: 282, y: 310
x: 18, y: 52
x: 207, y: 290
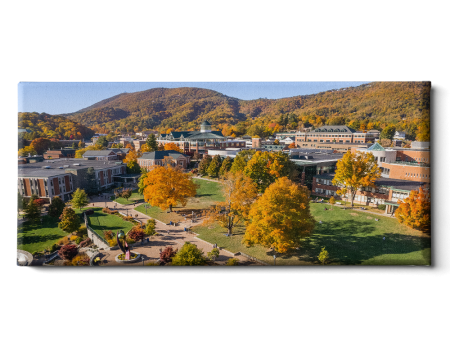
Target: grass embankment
x: 135, y: 197
x: 100, y: 221
x: 208, y: 193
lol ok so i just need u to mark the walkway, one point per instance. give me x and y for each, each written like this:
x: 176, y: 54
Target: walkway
x: 171, y: 236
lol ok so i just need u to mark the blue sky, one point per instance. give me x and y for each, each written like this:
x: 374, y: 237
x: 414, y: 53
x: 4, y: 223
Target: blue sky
x: 69, y: 97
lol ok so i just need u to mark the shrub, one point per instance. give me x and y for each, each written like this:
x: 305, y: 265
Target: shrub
x: 189, y: 254
x: 73, y: 238
x: 213, y: 254
x: 89, y: 212
x: 112, y: 242
x: 152, y: 264
x: 63, y: 241
x: 232, y: 262
x: 80, y: 260
x: 150, y: 229
x: 67, y: 252
x: 136, y: 234
x: 109, y: 211
x: 166, y: 255
x: 381, y: 206
x: 81, y: 231
x: 85, y: 242
x: 78, y: 240
x: 54, y: 247
x: 108, y: 234
x: 332, y: 200
x: 130, y: 240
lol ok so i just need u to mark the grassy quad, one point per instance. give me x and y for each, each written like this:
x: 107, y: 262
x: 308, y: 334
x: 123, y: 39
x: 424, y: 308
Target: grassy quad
x: 351, y: 237
x: 135, y: 197
x: 207, y: 194
x: 100, y: 221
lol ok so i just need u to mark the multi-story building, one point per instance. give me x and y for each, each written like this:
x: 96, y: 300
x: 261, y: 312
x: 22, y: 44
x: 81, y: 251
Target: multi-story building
x: 62, y: 177
x: 387, y: 191
x: 146, y: 133
x: 100, y: 155
x: 163, y: 157
x: 59, y: 153
x: 401, y: 163
x: 200, y: 141
x: 121, y: 153
x: 138, y: 144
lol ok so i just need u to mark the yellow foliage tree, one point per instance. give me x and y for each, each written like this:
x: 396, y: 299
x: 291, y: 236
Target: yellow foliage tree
x: 144, y: 148
x: 167, y: 186
x: 239, y: 192
x: 27, y: 150
x: 280, y: 218
x: 131, y: 156
x: 292, y: 145
x: 356, y: 171
x: 172, y: 146
x: 415, y: 210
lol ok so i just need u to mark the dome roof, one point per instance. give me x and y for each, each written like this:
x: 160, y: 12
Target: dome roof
x: 205, y: 123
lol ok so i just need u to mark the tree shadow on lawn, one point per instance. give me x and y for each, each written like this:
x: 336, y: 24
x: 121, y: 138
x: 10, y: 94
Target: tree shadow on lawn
x: 352, y: 245
x: 31, y: 239
x: 48, y: 223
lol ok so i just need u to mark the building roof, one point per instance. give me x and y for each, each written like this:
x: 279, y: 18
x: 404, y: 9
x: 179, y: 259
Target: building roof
x: 334, y: 129
x: 61, y: 151
x: 120, y: 150
x: 376, y: 147
x: 205, y: 123
x: 37, y: 169
x: 391, y: 183
x: 24, y: 130
x: 161, y: 154
x: 98, y: 153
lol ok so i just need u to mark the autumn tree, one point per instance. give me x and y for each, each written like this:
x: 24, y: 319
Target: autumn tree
x: 354, y: 172
x: 226, y: 166
x: 280, y: 218
x: 214, y: 166
x: 168, y: 186
x: 204, y: 165
x: 79, y: 199
x: 151, y: 143
x: 41, y: 145
x: 276, y: 142
x: 239, y: 192
x: 70, y: 221
x: 388, y: 132
x: 386, y: 143
x: 167, y: 254
x: 27, y: 151
x: 81, y: 144
x: 241, y: 160
x: 173, y: 146
x: 102, y: 141
x: 144, y: 148
x: 132, y: 156
x: 213, y: 254
x: 292, y: 145
x: 133, y: 167
x: 126, y: 193
x: 323, y: 256
x: 415, y: 210
x: 423, y: 133
x: 190, y: 255
x: 56, y: 207
x: 141, y: 184
x: 32, y: 211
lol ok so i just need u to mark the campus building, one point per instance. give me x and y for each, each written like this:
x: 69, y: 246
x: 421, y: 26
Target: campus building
x: 387, y: 191
x: 200, y: 141
x: 100, y: 155
x: 62, y: 177
x: 163, y: 157
x: 59, y: 153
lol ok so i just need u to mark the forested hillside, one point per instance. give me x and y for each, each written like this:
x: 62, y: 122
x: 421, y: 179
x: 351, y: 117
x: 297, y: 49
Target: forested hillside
x: 405, y: 105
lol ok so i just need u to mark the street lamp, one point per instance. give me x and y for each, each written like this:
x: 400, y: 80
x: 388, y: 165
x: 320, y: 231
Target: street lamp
x: 274, y: 259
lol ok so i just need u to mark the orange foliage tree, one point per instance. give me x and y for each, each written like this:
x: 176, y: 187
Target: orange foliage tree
x: 292, y: 145
x: 415, y: 210
x: 167, y: 186
x: 131, y: 156
x: 172, y: 146
x: 239, y: 192
x: 356, y: 171
x: 144, y: 148
x: 280, y: 218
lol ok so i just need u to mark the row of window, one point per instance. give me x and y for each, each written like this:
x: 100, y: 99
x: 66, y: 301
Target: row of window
x: 417, y: 175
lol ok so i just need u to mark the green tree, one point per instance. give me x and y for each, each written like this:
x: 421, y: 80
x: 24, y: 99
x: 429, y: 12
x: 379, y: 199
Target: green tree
x: 213, y: 254
x: 79, y: 199
x: 232, y: 262
x: 81, y: 144
x: 56, y: 207
x: 388, y: 132
x: 226, y: 166
x: 102, y: 141
x: 70, y: 221
x: 241, y: 159
x: 214, y: 166
x: 141, y: 184
x: 323, y: 256
x: 19, y: 201
x: 133, y: 167
x: 33, y: 211
x: 189, y: 254
x: 74, y: 145
x: 91, y: 182
x: 150, y: 228
x: 126, y: 193
x: 204, y: 165
x: 151, y: 142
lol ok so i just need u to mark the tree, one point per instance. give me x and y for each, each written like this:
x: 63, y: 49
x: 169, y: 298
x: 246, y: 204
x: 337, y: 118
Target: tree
x: 131, y: 156
x: 239, y: 192
x: 276, y: 142
x: 323, y: 256
x: 41, y: 145
x: 386, y: 143
x: 167, y: 254
x: 232, y: 262
x: 415, y: 210
x: 423, y: 133
x: 56, y: 207
x: 133, y: 167
x: 196, y: 156
x: 79, y: 199
x: 332, y: 200
x: 292, y: 145
x: 102, y: 141
x: 150, y: 228
x: 91, y: 182
x: 19, y: 202
x: 33, y: 211
x: 81, y: 144
x: 172, y: 146
x: 152, y: 143
x: 204, y: 165
x: 126, y: 193
x: 27, y: 151
x: 70, y: 221
x: 280, y: 218
x: 214, y: 166
x: 354, y: 172
x: 167, y: 186
x: 213, y: 254
x: 141, y: 184
x: 144, y: 148
x: 190, y: 255
x: 68, y: 252
x: 241, y: 160
x: 136, y: 233
x: 226, y: 166
x: 388, y: 132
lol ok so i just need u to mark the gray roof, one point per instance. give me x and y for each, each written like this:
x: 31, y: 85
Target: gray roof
x: 334, y: 129
x: 205, y: 123
x: 98, y: 153
x: 120, y: 150
x: 195, y: 135
x: 159, y: 155
x: 392, y: 183
x: 37, y: 170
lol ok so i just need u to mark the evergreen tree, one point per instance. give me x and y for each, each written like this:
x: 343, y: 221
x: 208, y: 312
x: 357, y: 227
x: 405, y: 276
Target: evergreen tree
x: 133, y: 167
x: 214, y: 166
x: 226, y: 166
x: 92, y: 185
x: 56, y: 207
x: 204, y: 165
x: 33, y: 211
x: 102, y: 141
x: 151, y: 142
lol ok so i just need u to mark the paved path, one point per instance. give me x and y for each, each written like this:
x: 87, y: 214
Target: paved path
x: 175, y: 238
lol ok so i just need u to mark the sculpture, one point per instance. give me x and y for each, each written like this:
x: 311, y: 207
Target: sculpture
x: 124, y: 247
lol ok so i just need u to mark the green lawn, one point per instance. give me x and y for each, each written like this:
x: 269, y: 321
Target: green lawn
x: 100, y: 221
x: 207, y: 194
x: 350, y: 236
x: 38, y: 237
x: 135, y: 197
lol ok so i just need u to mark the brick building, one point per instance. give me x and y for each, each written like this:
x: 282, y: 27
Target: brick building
x: 387, y: 191
x: 59, y: 153
x: 62, y: 177
x: 334, y: 134
x: 163, y: 157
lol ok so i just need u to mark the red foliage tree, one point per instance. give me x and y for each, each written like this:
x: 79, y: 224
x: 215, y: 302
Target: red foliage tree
x: 41, y: 145
x: 166, y: 255
x: 136, y: 234
x: 67, y: 252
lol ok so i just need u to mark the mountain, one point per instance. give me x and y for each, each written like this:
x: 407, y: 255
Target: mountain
x: 404, y: 104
